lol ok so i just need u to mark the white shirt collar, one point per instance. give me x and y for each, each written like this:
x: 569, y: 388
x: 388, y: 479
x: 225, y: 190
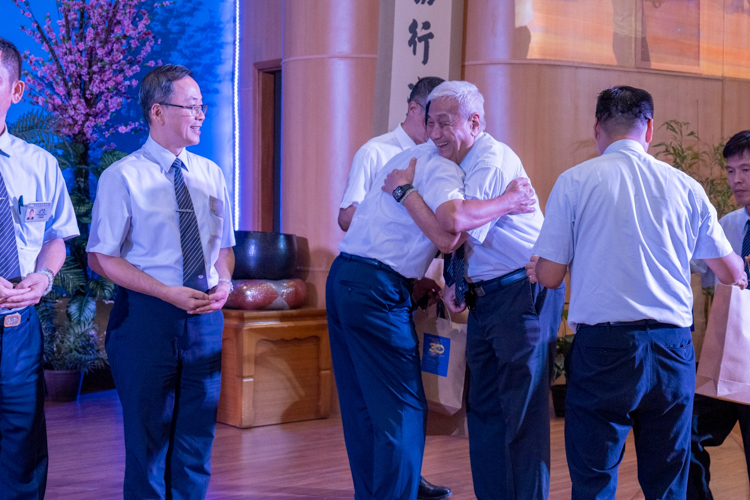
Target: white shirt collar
x: 624, y: 144
x: 162, y: 156
x: 403, y: 138
x: 5, y: 142
x: 469, y: 158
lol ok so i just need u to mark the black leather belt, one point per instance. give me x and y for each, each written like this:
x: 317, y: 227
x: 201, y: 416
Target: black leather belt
x: 652, y: 323
x: 481, y: 288
x: 371, y: 262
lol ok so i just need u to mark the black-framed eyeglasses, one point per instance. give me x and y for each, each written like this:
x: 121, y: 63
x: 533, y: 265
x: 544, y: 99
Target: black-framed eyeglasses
x: 195, y: 110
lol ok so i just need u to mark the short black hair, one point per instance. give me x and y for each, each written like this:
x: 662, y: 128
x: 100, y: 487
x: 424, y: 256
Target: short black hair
x: 624, y: 108
x: 157, y: 86
x: 422, y: 89
x: 737, y: 145
x: 10, y: 58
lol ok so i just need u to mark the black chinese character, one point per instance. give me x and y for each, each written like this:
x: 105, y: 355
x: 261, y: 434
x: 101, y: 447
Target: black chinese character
x: 425, y: 39
x: 429, y: 2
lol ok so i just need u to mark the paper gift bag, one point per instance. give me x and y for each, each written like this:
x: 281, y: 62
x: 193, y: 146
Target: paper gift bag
x: 724, y: 369
x: 443, y: 351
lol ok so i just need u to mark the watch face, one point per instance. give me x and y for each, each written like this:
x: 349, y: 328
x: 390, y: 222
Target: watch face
x: 398, y: 193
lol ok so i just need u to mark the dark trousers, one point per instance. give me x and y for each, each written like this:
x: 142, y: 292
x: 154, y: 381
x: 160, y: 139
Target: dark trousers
x: 23, y: 433
x: 166, y: 366
x: 713, y: 420
x: 623, y: 376
x: 509, y: 351
x: 376, y: 362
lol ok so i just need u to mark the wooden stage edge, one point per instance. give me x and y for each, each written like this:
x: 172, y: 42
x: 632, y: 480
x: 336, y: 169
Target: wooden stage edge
x: 301, y: 460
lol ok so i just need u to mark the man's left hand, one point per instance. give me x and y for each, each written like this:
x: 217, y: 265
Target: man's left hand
x: 531, y: 268
x: 218, y: 296
x: 425, y: 287
x: 37, y: 283
x: 400, y: 177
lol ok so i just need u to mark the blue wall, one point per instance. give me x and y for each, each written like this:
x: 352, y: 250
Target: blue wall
x: 198, y: 34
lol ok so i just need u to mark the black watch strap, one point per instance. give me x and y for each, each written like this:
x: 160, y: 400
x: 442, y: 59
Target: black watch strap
x: 400, y: 192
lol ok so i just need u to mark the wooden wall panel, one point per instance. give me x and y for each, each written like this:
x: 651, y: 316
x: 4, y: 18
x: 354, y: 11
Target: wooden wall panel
x: 736, y: 107
x: 328, y: 74
x: 260, y: 42
x: 546, y: 112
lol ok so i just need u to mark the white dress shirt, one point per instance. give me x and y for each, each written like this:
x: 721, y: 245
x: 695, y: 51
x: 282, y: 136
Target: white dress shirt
x: 368, y: 162
x: 503, y: 245
x: 733, y: 225
x: 382, y: 229
x: 32, y: 173
x: 135, y: 213
x: 629, y: 224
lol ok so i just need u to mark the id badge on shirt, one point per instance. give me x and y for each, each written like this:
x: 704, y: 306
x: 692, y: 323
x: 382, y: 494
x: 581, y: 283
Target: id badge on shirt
x: 217, y: 206
x: 36, y: 212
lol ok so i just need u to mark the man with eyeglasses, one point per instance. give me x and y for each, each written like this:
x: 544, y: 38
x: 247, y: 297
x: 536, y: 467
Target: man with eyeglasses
x: 162, y: 230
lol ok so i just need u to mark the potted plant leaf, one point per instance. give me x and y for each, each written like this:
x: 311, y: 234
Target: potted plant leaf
x: 559, y: 386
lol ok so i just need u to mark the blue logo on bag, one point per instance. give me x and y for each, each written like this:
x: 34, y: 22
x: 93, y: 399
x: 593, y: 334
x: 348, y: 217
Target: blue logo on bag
x: 436, y: 351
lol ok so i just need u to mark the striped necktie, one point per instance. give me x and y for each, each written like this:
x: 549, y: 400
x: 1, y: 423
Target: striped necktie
x: 193, y: 263
x: 453, y: 272
x: 9, y: 264
x: 746, y: 248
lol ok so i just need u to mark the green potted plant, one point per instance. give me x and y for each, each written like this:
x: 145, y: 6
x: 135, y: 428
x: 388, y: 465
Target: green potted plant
x: 559, y: 385
x: 71, y: 342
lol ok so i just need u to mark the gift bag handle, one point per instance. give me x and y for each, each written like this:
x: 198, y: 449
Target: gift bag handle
x: 441, y: 310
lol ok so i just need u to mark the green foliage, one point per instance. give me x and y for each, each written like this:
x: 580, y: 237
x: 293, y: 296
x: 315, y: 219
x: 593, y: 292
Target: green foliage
x: 563, y: 344
x: 38, y: 127
x: 704, y: 162
x: 72, y: 343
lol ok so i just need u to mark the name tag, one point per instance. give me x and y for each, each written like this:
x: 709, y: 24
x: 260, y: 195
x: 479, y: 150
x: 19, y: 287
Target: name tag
x: 36, y: 212
x: 216, y: 206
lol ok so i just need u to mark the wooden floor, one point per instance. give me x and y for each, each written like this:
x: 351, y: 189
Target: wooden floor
x: 304, y: 460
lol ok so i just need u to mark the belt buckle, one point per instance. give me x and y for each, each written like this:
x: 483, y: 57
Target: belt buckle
x: 479, y: 291
x: 12, y: 320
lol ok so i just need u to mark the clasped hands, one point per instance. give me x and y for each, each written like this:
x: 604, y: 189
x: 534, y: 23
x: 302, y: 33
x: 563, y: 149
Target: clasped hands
x: 26, y: 293
x: 197, y: 302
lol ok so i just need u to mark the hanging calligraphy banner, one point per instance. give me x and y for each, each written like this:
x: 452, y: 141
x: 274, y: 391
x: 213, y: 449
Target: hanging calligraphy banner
x: 421, y: 47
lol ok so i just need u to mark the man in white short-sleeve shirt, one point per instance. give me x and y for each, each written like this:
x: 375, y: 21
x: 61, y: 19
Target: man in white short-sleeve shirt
x: 367, y: 164
x: 714, y: 419
x: 162, y: 230
x: 628, y: 225
x: 36, y: 216
x: 373, y: 343
x: 370, y: 158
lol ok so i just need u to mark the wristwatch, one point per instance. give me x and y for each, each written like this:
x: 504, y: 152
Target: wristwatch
x: 400, y: 192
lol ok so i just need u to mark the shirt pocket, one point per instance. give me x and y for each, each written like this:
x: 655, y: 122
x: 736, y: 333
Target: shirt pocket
x: 31, y: 234
x: 215, y: 222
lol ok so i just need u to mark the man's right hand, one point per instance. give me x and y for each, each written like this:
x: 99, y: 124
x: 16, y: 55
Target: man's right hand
x: 7, y: 291
x: 521, y: 194
x: 400, y: 177
x: 187, y: 299
x: 449, y: 299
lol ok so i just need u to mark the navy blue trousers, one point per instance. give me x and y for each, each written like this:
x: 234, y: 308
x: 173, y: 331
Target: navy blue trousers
x: 166, y: 365
x: 376, y: 363
x: 509, y: 350
x: 623, y: 377
x: 713, y: 420
x: 23, y: 432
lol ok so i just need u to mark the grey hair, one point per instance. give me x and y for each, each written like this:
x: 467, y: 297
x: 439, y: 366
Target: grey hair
x: 157, y: 86
x: 470, y: 100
